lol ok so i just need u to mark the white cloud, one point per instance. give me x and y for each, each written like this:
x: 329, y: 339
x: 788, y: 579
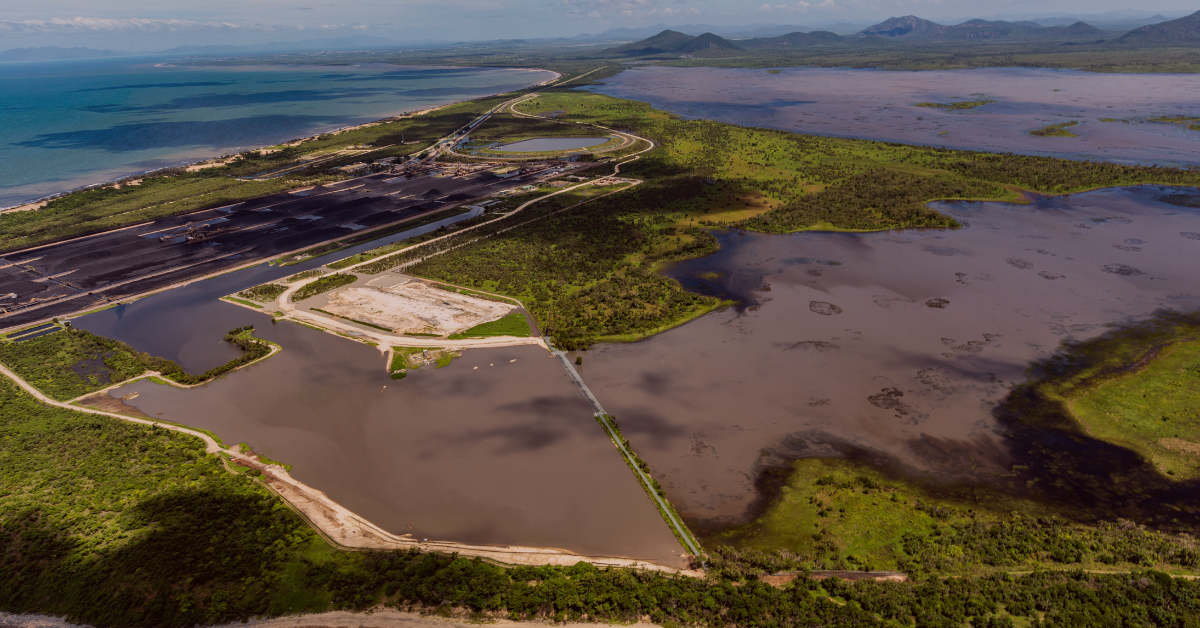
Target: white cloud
x: 802, y: 6
x: 137, y: 25
x: 600, y: 9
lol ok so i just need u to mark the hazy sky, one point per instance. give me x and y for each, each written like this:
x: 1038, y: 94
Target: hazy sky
x: 154, y: 24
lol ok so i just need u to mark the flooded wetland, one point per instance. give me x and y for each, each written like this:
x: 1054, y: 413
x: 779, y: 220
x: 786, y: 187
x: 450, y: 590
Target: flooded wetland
x: 896, y: 343
x: 1114, y: 112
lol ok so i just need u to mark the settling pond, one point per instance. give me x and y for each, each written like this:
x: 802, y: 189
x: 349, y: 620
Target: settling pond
x: 880, y: 105
x: 548, y: 144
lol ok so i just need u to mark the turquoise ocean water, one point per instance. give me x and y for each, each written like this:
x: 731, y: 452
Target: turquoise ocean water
x: 66, y: 124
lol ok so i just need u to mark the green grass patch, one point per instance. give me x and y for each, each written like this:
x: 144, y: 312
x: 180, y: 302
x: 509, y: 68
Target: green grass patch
x: 514, y: 324
x: 74, y: 362
x: 1061, y: 129
x: 243, y: 302
x: 324, y: 284
x: 839, y: 514
x: 1154, y: 410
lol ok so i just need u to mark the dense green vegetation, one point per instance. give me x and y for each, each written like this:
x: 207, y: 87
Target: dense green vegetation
x: 324, y: 284
x: 1062, y: 129
x: 70, y: 363
x: 840, y: 514
x: 118, y: 524
x: 264, y: 293
x: 305, y: 274
x: 74, y: 362
x: 511, y: 325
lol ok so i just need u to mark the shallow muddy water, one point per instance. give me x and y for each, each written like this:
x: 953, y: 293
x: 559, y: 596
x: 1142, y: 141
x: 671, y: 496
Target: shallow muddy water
x: 498, y: 447
x: 880, y: 105
x: 897, y: 343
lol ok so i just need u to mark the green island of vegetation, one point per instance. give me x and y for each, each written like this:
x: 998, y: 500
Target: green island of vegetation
x: 74, y: 362
x: 1062, y: 129
x: 264, y: 293
x: 510, y: 325
x: 324, y: 284
x: 956, y: 106
x: 316, y: 272
x: 1191, y: 122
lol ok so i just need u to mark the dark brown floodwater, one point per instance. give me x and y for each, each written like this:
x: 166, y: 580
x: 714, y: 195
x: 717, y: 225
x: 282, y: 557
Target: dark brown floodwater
x: 900, y: 343
x: 879, y: 105
x: 485, y: 450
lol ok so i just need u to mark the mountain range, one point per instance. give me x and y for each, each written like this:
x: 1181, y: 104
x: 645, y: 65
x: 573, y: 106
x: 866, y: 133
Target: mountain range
x: 915, y: 28
x: 675, y: 42
x: 1183, y: 31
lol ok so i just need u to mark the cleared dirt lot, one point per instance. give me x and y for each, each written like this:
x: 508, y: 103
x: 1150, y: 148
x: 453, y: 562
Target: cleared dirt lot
x: 413, y: 306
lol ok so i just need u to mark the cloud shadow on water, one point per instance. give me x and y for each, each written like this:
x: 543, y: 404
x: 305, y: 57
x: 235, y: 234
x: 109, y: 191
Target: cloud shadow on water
x: 121, y: 138
x: 241, y: 99
x: 154, y: 86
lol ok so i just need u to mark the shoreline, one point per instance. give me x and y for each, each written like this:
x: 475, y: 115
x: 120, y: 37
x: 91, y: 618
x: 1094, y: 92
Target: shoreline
x: 37, y: 203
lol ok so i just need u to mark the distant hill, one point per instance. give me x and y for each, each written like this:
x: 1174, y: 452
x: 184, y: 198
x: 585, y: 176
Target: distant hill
x: 751, y: 30
x: 674, y: 42
x: 915, y: 28
x: 53, y: 53
x: 793, y: 40
x: 1181, y: 32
